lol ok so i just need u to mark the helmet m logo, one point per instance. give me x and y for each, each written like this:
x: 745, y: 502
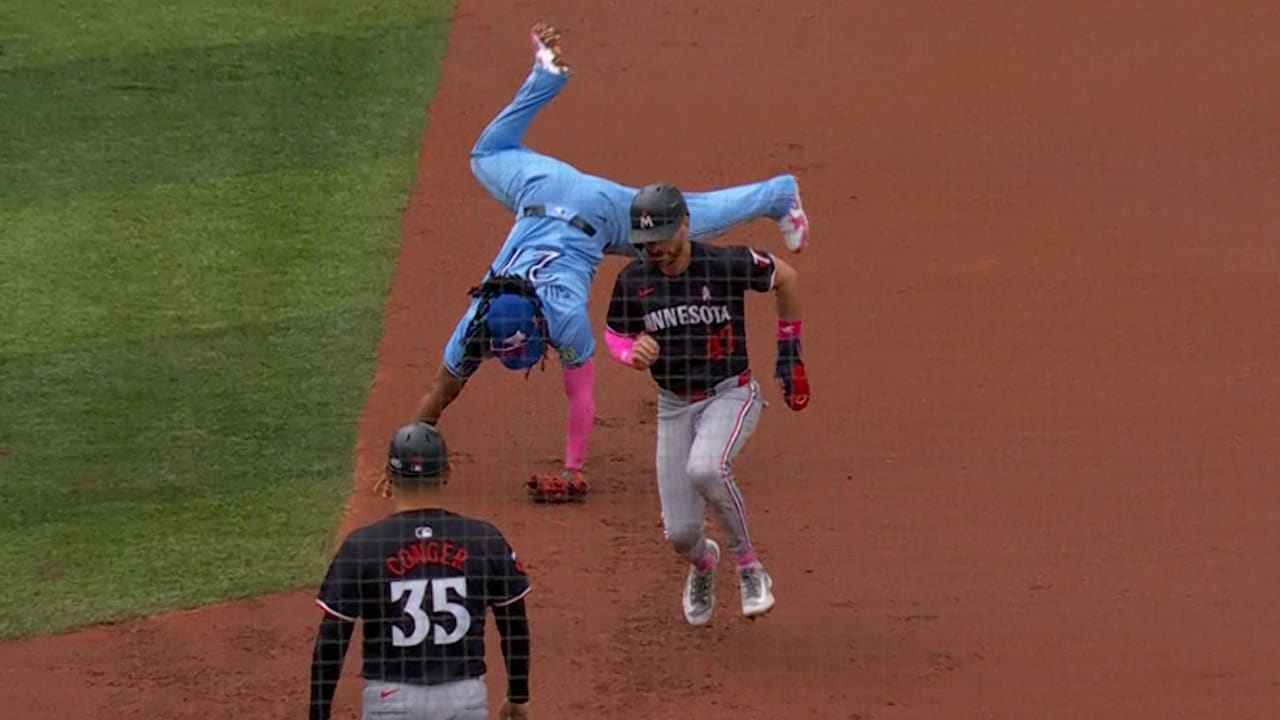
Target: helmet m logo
x: 646, y: 221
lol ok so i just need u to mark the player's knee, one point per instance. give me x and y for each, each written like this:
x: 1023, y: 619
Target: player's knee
x: 703, y: 471
x: 684, y: 538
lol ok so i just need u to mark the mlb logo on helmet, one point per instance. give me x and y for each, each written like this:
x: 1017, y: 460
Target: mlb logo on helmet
x: 416, y: 463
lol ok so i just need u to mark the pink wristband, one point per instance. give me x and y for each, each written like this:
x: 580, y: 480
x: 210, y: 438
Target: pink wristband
x: 619, y: 346
x: 788, y: 329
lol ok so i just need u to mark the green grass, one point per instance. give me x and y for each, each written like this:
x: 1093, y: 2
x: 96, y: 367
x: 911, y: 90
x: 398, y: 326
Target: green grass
x: 200, y: 206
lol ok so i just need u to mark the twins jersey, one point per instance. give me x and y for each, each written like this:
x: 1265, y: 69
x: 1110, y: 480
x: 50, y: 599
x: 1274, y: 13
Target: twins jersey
x: 422, y: 582
x: 698, y: 318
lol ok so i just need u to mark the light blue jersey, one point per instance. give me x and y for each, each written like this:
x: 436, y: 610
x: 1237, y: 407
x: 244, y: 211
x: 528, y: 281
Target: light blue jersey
x: 568, y: 220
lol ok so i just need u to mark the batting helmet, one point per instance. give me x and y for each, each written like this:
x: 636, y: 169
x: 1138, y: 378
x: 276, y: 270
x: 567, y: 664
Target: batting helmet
x: 657, y: 211
x: 417, y: 451
x: 515, y: 332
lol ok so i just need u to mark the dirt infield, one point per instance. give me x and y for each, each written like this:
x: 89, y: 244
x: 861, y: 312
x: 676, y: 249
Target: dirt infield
x: 1038, y: 478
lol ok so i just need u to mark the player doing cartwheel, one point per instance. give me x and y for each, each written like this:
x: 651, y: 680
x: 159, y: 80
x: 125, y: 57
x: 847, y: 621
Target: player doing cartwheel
x: 533, y: 299
x: 422, y: 579
x: 679, y: 313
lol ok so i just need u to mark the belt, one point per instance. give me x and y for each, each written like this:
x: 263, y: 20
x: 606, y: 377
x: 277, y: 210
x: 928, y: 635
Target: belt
x: 563, y: 213
x: 725, y: 385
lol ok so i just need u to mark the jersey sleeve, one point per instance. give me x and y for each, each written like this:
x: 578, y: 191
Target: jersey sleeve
x: 507, y: 581
x: 464, y: 351
x: 339, y: 595
x: 624, y: 316
x: 753, y: 269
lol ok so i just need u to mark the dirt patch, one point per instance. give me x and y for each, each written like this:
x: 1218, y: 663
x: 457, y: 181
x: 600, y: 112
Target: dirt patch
x: 1037, y: 478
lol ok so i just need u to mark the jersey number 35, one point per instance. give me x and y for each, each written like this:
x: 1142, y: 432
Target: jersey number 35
x: 420, y: 625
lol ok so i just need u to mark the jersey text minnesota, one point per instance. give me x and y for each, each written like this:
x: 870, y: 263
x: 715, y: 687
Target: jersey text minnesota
x: 670, y: 317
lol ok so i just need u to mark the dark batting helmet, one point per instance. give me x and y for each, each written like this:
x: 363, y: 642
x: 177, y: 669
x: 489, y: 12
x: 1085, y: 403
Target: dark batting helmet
x: 657, y: 211
x: 417, y: 451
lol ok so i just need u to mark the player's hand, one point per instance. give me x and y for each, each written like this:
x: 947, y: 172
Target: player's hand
x: 790, y: 374
x: 644, y: 353
x: 513, y: 711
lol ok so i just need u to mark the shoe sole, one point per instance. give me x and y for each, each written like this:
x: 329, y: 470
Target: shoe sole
x: 758, y: 610
x: 804, y: 243
x: 804, y: 239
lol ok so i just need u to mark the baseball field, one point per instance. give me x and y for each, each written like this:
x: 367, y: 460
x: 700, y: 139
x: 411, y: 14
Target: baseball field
x: 1038, y: 478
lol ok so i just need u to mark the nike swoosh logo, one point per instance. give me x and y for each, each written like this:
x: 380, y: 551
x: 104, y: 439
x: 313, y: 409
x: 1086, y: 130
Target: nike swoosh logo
x: 387, y: 693
x: 645, y: 292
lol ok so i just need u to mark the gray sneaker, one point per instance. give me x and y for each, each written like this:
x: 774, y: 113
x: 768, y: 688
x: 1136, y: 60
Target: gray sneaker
x: 700, y: 589
x: 757, y: 591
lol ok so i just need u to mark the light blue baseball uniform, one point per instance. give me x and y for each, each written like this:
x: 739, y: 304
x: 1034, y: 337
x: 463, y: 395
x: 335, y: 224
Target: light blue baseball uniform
x: 560, y: 258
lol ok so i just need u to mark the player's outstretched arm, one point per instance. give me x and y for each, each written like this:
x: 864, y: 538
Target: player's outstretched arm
x: 332, y: 638
x: 513, y: 627
x: 444, y: 390
x: 789, y: 371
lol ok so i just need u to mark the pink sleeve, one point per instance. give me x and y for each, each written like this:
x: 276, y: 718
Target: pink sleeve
x: 619, y: 346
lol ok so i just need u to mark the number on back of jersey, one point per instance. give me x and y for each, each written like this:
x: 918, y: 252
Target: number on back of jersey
x: 440, y: 597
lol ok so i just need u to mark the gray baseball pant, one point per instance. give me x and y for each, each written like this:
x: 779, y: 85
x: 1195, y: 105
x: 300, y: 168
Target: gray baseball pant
x: 461, y: 700
x: 697, y: 443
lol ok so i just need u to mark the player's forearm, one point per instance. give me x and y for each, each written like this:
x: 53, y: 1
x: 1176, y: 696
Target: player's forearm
x: 443, y: 391
x: 332, y: 638
x: 787, y: 293
x: 620, y: 346
x: 513, y: 627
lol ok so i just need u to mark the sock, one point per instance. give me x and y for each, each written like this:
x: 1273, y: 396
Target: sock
x: 705, y: 563
x: 582, y: 413
x: 747, y: 558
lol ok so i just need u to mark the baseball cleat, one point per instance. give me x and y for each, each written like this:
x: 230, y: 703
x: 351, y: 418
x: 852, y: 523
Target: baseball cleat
x: 757, y: 591
x: 795, y: 225
x: 546, y: 49
x: 700, y: 590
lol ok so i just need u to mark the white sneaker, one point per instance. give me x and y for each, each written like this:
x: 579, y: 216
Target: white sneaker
x: 795, y: 226
x: 546, y: 49
x: 757, y: 590
x: 700, y: 589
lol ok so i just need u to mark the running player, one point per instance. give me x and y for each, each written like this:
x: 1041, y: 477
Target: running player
x: 679, y: 313
x: 422, y: 579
